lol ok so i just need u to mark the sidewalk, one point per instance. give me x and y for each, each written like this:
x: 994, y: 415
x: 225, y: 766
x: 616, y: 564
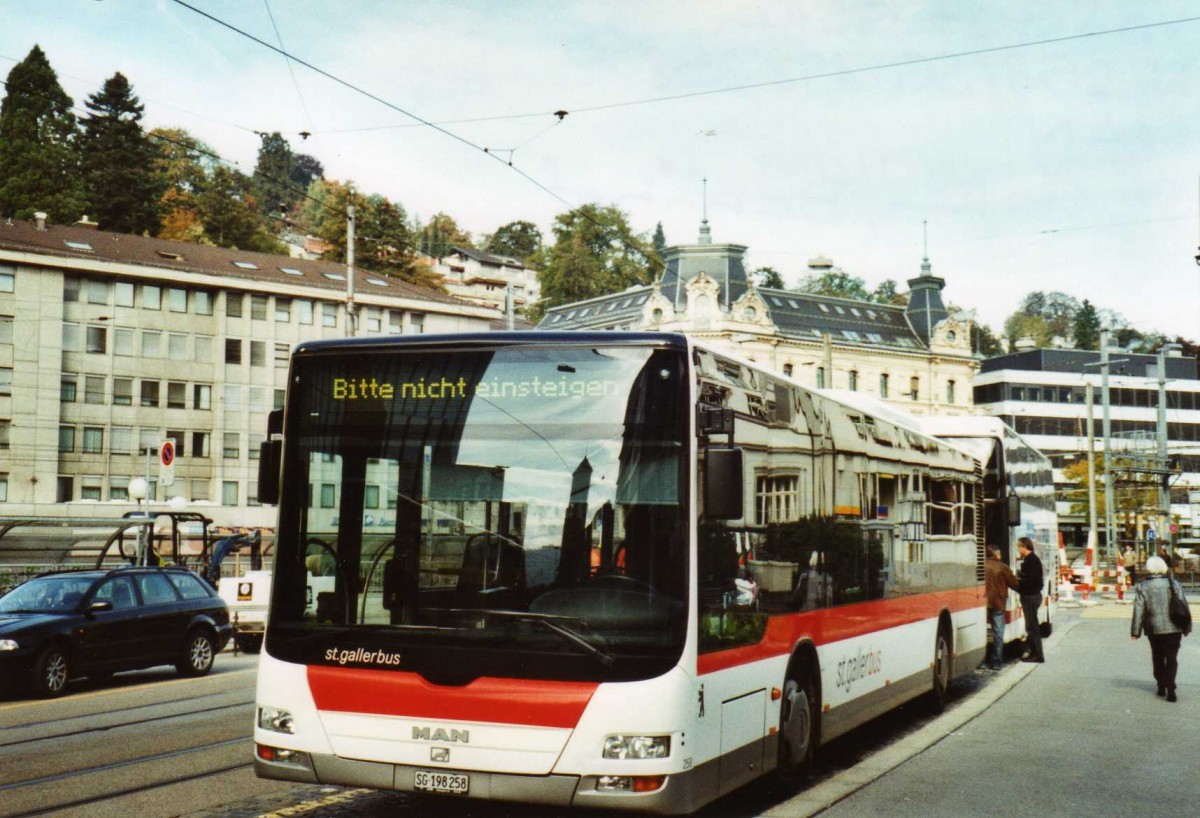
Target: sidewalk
x: 1082, y: 734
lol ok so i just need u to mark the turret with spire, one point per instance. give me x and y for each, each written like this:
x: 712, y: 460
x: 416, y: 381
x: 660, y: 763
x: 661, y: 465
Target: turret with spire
x: 925, y: 308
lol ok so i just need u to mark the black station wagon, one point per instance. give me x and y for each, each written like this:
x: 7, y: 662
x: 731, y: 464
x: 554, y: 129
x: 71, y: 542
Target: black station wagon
x: 61, y: 625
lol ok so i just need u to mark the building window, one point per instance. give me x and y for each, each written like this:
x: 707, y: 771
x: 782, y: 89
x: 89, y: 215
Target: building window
x: 118, y: 488
x: 177, y: 346
x: 258, y: 399
x: 123, y: 291
x: 279, y: 398
x: 149, y: 393
x: 258, y: 353
x: 96, y: 291
x: 6, y: 380
x: 121, y: 441
x: 883, y: 386
x: 3, y: 488
x: 92, y: 487
x: 202, y: 396
x: 233, y: 397
x: 5, y: 433
x: 177, y: 299
x: 70, y: 384
x: 374, y: 322
x: 820, y: 377
x: 395, y: 322
x: 853, y: 380
x: 327, y: 495
x: 71, y: 287
x: 6, y: 329
x: 200, y: 490
x: 282, y: 351
x: 231, y: 446
x: 151, y: 297
x: 914, y: 388
x: 233, y: 304
x: 417, y: 322
x: 283, y: 309
x: 200, y: 444
x: 151, y: 344
x: 202, y: 349
x: 254, y: 452
x: 7, y: 278
x: 122, y: 392
x: 258, y: 307
x: 66, y: 438
x: 370, y: 496
x: 66, y: 489
x: 123, y: 342
x: 949, y: 391
x: 93, y: 440
x: 204, y: 302
x: 93, y: 389
x: 304, y: 312
x: 787, y: 370
x: 229, y: 493
x: 233, y: 350
x: 176, y: 395
x: 72, y: 341
x: 329, y: 315
x: 776, y: 499
x: 148, y: 440
x: 97, y: 340
x: 180, y: 438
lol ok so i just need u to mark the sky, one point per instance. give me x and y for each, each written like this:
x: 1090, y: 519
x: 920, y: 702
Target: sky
x: 1035, y: 157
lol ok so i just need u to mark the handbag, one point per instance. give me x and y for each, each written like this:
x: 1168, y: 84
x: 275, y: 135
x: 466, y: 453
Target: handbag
x: 1178, y: 610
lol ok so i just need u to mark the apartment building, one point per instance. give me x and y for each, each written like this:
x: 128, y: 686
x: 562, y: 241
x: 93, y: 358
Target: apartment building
x: 112, y: 343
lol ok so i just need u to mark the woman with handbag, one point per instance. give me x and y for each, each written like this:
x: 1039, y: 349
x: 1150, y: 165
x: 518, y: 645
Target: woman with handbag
x: 1160, y: 610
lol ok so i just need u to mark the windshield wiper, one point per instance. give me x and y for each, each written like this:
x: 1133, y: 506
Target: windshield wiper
x: 551, y: 622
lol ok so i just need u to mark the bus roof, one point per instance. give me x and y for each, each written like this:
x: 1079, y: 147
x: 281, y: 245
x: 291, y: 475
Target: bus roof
x: 501, y: 338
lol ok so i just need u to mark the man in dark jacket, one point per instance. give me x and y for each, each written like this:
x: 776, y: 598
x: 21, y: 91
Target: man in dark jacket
x: 1029, y: 585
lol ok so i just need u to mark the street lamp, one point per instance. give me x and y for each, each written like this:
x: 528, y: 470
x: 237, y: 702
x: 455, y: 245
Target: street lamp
x: 138, y: 490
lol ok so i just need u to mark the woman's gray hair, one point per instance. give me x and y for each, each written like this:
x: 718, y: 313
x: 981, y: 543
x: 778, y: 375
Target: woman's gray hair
x: 1156, y: 565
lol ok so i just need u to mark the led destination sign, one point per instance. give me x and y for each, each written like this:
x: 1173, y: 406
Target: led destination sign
x: 534, y: 386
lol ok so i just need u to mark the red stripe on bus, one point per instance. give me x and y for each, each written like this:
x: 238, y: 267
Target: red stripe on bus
x: 499, y: 701
x: 842, y: 622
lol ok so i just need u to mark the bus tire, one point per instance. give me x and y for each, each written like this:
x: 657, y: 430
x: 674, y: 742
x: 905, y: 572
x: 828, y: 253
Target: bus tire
x: 943, y: 664
x: 798, y: 732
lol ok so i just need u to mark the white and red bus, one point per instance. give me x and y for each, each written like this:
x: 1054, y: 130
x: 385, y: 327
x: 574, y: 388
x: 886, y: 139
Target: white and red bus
x: 596, y: 569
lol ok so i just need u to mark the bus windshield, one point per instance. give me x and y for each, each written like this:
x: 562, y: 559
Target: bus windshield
x: 515, y: 511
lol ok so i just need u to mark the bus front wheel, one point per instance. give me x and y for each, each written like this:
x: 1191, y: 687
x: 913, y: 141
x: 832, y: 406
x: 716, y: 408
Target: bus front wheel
x: 943, y: 662
x: 797, y: 727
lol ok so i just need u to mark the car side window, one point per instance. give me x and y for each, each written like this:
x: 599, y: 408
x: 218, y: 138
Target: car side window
x: 118, y: 591
x: 155, y: 589
x: 189, y: 586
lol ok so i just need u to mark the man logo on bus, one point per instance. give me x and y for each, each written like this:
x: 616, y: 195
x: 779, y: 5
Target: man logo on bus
x: 440, y: 734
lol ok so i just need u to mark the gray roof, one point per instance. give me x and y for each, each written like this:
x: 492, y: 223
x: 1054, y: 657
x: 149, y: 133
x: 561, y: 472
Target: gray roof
x: 122, y: 248
x: 809, y: 317
x: 603, y: 312
x: 487, y: 258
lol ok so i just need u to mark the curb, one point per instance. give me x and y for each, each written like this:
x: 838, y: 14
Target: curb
x: 824, y: 795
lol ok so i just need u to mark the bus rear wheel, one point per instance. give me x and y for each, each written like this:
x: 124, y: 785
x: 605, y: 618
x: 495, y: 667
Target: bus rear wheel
x: 943, y: 662
x: 797, y: 728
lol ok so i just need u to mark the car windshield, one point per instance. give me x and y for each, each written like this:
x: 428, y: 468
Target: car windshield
x: 523, y: 499
x: 55, y: 594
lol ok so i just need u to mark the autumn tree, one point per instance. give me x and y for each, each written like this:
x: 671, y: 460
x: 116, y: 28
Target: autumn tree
x: 39, y: 152
x: 117, y: 160
x: 595, y: 252
x: 183, y: 165
x: 440, y: 234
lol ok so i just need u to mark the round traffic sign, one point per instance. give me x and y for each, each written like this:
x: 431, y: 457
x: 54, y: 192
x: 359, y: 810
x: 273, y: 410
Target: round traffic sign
x: 167, y: 453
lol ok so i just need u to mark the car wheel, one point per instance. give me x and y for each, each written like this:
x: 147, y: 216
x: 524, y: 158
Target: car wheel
x: 50, y: 672
x: 198, y: 654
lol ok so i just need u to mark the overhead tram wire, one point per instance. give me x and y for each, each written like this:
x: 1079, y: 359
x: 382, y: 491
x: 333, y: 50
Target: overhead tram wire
x: 650, y: 258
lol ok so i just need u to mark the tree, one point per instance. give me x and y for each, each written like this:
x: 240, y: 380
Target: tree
x: 39, y: 156
x: 1042, y: 317
x: 888, y: 292
x: 440, y: 234
x: 1087, y: 327
x: 117, y: 161
x: 595, y: 252
x: 229, y: 211
x: 767, y: 277
x: 983, y: 341
x: 660, y: 242
x: 521, y: 240
x: 1076, y: 473
x: 273, y: 186
x: 836, y: 283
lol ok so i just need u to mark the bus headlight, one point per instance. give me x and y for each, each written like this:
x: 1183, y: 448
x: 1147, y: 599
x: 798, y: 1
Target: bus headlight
x: 275, y: 719
x: 637, y: 746
x: 8, y: 644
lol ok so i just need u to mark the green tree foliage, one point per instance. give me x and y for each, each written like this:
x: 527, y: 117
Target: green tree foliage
x: 660, y: 242
x: 230, y: 213
x: 983, y: 341
x: 888, y: 292
x: 767, y: 277
x: 521, y: 240
x: 39, y: 154
x: 595, y: 252
x: 275, y: 193
x: 442, y: 233
x: 1087, y: 327
x: 1076, y: 474
x: 835, y: 282
x: 183, y: 165
x: 1043, y: 317
x: 117, y: 161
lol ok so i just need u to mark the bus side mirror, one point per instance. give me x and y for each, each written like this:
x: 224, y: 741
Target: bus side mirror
x: 723, y: 483
x: 1014, y: 510
x: 269, y: 461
